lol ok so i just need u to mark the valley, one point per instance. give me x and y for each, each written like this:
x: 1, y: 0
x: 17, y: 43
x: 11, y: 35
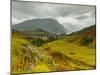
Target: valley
x: 75, y: 51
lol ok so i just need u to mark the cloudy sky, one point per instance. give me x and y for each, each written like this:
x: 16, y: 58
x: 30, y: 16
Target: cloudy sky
x: 76, y: 15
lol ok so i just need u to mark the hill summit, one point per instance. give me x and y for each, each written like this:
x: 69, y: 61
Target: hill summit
x: 47, y: 24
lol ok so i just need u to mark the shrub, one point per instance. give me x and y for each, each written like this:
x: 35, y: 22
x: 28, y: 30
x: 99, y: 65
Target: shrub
x: 87, y: 40
x: 38, y: 42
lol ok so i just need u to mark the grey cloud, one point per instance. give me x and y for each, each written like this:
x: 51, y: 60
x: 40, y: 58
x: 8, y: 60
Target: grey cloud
x: 34, y: 9
x: 93, y: 13
x: 45, y: 9
x: 82, y: 17
x: 74, y: 10
x: 79, y: 14
x: 20, y: 15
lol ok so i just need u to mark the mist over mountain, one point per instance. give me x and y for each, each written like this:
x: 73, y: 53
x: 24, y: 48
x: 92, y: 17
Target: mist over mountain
x: 48, y: 24
x: 71, y: 28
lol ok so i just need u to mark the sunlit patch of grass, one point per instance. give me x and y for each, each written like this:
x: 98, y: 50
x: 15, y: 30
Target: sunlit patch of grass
x: 74, y: 51
x: 41, y: 67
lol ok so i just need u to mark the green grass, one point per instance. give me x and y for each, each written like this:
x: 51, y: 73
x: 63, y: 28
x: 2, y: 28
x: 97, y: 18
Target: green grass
x: 41, y: 68
x: 74, y: 51
x: 56, y: 55
x: 21, y: 54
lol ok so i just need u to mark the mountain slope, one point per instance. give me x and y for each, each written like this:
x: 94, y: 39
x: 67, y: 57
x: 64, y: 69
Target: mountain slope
x: 63, y: 55
x: 86, y: 36
x: 48, y: 24
x: 22, y: 55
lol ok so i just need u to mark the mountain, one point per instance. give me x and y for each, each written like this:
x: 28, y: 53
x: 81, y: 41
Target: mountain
x: 48, y: 24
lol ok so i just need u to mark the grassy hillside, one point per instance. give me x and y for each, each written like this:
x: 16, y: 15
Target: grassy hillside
x: 76, y: 57
x: 86, y: 37
x: 65, y: 54
x: 22, y: 57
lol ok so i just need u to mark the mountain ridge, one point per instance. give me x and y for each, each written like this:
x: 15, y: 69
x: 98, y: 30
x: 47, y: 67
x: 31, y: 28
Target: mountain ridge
x: 48, y: 24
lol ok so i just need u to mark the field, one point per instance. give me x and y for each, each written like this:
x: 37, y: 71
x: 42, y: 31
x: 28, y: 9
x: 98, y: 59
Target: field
x: 31, y: 55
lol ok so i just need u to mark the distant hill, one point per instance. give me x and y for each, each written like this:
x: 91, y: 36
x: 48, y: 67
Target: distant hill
x: 86, y: 36
x: 48, y: 24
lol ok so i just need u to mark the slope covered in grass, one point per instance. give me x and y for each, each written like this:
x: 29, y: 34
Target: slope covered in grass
x: 86, y: 36
x: 22, y: 57
x: 58, y: 55
x: 76, y: 57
